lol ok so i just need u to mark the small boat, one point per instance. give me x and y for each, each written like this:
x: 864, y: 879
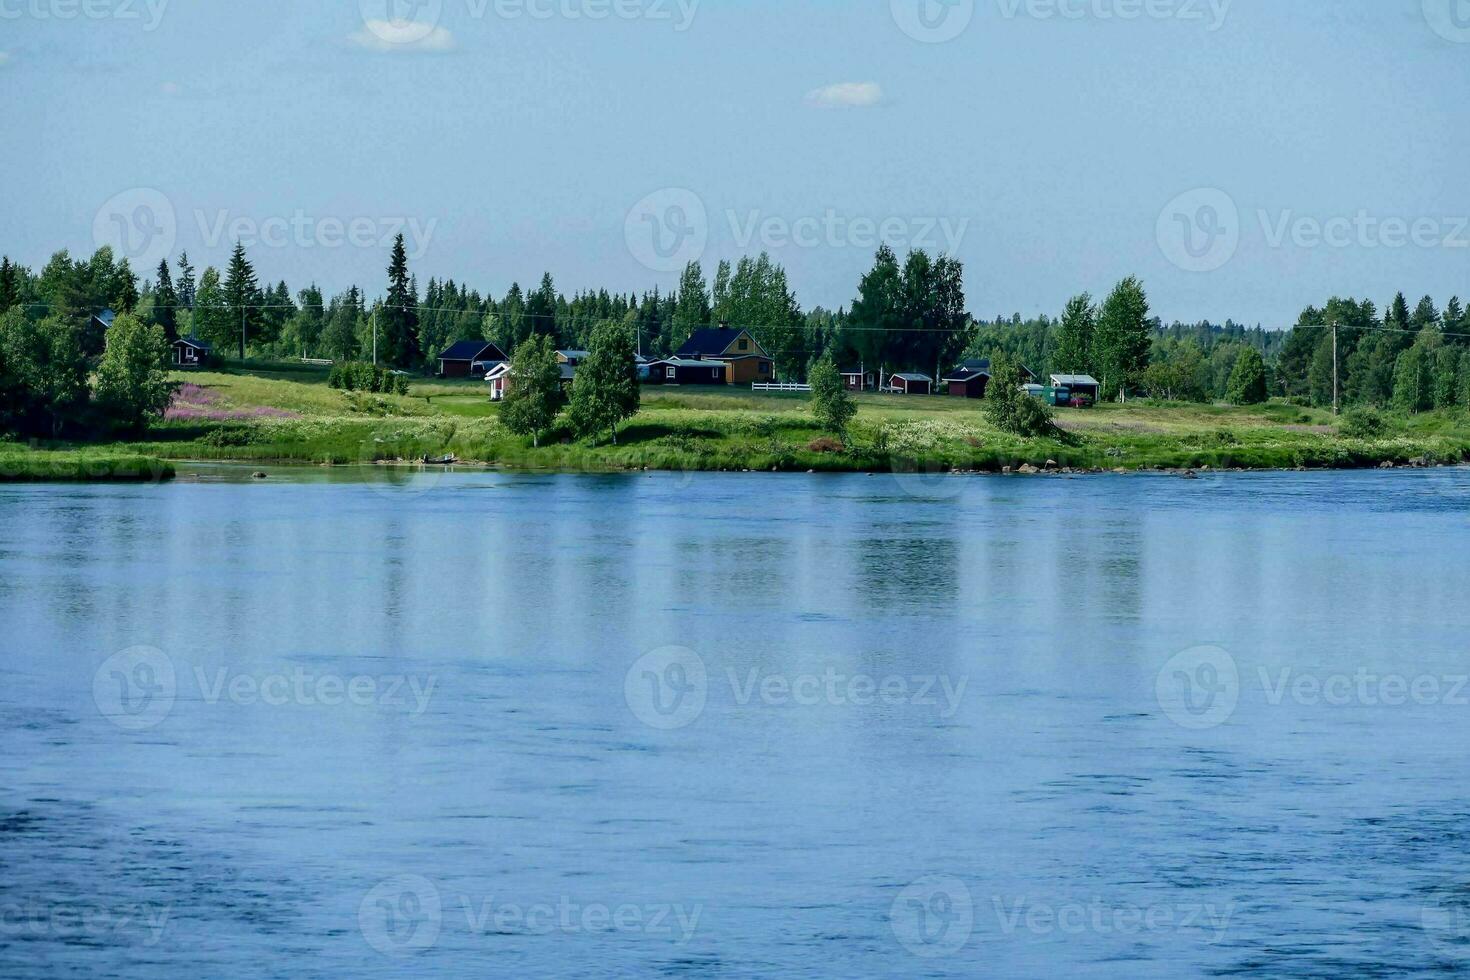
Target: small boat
x: 449, y: 460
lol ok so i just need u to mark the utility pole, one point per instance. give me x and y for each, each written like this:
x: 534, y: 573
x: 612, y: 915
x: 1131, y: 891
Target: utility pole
x: 375, y: 335
x: 242, y: 333
x: 1334, y: 367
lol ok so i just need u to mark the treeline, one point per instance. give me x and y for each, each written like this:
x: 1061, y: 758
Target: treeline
x: 906, y: 314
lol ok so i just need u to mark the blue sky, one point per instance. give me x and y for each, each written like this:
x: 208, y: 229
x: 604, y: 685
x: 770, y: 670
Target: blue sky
x: 1242, y: 156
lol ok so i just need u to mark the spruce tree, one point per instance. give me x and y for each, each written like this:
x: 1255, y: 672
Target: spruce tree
x: 1247, y: 379
x: 400, y: 317
x: 186, y: 285
x: 242, y: 297
x: 165, y: 303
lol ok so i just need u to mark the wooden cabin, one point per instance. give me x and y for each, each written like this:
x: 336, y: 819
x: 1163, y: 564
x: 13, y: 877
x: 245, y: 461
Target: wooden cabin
x: 191, y: 352
x: 737, y: 349
x: 470, y: 359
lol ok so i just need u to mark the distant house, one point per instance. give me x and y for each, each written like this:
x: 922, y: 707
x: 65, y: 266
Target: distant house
x: 911, y: 384
x: 1078, y: 384
x: 104, y: 319
x: 856, y: 379
x: 746, y: 360
x: 572, y: 357
x: 686, y: 371
x: 497, y: 378
x: 470, y: 359
x: 970, y: 378
x: 191, y: 352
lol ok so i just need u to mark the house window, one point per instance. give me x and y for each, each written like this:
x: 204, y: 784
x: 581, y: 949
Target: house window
x: 745, y: 345
x: 671, y: 373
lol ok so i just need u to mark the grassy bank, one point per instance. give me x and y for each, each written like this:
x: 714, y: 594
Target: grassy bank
x: 23, y: 464
x: 267, y: 414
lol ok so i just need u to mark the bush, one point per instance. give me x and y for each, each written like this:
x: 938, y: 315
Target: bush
x: 362, y: 376
x: 1009, y: 408
x: 1363, y: 423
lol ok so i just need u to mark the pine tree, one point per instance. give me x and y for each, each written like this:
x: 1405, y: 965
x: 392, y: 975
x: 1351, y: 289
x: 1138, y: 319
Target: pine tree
x: 123, y: 293
x: 242, y: 297
x: 1073, y: 351
x: 9, y: 284
x: 165, y: 303
x: 1122, y: 340
x: 186, y: 282
x: 400, y: 317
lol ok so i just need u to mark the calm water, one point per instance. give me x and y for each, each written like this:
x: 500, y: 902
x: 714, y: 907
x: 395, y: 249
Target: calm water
x: 726, y: 725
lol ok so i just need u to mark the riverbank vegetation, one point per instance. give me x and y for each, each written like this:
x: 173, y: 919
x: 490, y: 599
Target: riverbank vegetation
x: 74, y: 376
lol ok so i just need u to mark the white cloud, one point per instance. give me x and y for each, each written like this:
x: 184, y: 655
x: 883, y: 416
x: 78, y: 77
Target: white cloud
x: 846, y: 95
x: 405, y: 36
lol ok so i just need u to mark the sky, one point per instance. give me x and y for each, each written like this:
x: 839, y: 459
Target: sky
x: 1243, y: 157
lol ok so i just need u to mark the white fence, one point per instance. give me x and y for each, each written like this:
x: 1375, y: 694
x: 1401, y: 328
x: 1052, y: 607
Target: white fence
x: 779, y: 386
x: 316, y: 362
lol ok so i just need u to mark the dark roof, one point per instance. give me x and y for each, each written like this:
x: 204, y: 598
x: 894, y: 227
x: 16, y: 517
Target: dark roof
x: 470, y: 350
x: 966, y: 370
x: 194, y: 342
x: 686, y: 362
x: 711, y: 342
x: 913, y: 377
x: 105, y: 317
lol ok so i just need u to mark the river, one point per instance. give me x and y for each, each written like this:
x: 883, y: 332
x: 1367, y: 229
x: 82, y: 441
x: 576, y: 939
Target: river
x: 336, y: 723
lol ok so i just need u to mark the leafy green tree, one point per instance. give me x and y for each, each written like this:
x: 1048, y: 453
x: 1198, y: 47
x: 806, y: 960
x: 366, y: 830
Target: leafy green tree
x: 46, y: 371
x: 132, y: 380
x: 1247, y: 379
x: 1446, y: 371
x: 833, y: 407
x: 605, y: 391
x: 872, y: 327
x: 1007, y: 405
x: 1072, y: 353
x: 534, y: 394
x: 758, y: 298
x: 1413, y: 373
x: 692, y: 304
x: 166, y: 302
x: 399, y: 320
x: 242, y: 298
x: 1122, y: 340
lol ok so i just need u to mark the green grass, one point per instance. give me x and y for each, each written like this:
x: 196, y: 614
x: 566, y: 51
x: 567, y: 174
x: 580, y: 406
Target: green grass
x: 22, y: 464
x: 731, y: 429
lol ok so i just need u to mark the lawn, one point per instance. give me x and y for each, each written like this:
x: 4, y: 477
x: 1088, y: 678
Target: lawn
x: 267, y: 412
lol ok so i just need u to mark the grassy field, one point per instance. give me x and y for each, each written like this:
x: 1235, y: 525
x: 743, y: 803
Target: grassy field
x: 282, y: 413
x: 22, y: 464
